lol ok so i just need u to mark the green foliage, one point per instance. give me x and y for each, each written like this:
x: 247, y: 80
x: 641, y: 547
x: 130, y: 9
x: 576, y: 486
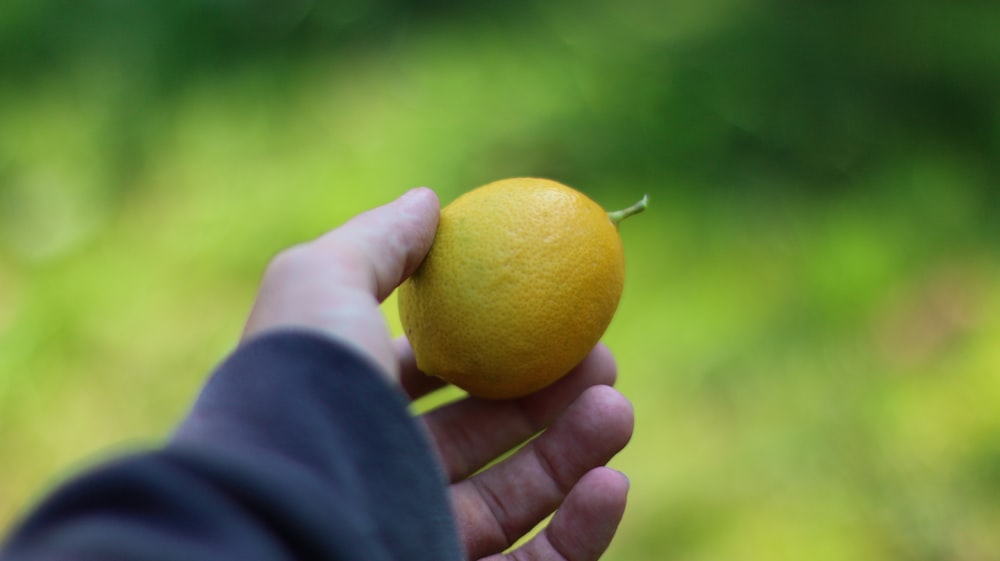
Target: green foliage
x: 809, y: 325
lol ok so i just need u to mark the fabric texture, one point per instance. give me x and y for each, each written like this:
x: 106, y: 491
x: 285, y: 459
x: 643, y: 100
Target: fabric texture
x: 297, y: 448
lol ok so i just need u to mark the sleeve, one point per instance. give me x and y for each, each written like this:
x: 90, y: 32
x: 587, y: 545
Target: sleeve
x: 296, y: 449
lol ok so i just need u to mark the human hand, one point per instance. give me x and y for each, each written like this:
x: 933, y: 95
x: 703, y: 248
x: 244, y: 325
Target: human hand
x: 584, y: 422
x: 334, y: 285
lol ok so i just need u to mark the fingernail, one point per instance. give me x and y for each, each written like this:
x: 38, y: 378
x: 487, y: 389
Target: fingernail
x: 628, y: 482
x: 412, y: 193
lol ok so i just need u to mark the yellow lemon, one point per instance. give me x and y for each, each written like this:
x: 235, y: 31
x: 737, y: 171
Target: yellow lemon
x: 521, y: 282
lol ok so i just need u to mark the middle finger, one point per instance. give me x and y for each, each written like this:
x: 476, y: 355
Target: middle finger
x: 472, y: 432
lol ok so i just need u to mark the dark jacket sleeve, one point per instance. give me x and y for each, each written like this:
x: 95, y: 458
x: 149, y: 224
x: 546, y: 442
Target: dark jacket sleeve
x: 296, y: 449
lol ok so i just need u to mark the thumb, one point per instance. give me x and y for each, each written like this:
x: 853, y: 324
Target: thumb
x: 335, y: 283
x: 383, y: 246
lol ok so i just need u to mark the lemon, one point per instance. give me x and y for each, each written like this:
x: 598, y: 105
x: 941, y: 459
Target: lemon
x: 521, y: 282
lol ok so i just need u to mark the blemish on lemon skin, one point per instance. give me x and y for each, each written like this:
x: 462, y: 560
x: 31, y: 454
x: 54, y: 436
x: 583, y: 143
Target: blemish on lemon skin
x: 502, y: 306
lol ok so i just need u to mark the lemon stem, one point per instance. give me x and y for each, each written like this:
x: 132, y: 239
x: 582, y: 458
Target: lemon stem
x: 619, y: 215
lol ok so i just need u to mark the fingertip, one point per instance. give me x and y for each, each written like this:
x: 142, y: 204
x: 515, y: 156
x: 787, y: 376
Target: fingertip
x: 604, y: 492
x: 421, y: 209
x: 585, y: 524
x: 602, y: 361
x: 423, y: 195
x: 604, y: 489
x: 611, y: 482
x: 597, y: 369
x: 415, y: 383
x: 420, y: 202
x: 610, y: 413
x: 378, y: 249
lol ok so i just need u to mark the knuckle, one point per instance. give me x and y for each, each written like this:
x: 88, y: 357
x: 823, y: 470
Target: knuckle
x: 289, y: 261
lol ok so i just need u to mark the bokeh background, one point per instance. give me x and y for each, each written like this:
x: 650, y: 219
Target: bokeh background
x: 810, y: 329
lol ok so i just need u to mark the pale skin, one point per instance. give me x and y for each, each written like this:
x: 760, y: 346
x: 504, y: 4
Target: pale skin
x: 334, y: 285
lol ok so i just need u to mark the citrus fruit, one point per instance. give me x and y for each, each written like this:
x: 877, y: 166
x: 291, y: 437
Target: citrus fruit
x: 521, y: 282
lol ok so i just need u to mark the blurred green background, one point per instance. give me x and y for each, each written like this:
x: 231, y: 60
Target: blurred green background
x: 809, y: 331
